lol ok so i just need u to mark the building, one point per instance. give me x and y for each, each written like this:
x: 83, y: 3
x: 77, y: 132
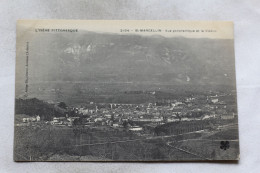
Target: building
x: 31, y: 119
x: 214, y: 100
x: 58, y: 120
x: 38, y: 118
x: 115, y: 125
x: 135, y: 128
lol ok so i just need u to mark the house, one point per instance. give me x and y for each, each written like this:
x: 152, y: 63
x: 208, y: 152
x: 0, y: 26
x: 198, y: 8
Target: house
x: 108, y: 116
x: 173, y: 119
x: 91, y: 111
x: 214, y: 100
x: 135, y: 128
x: 98, y: 119
x: 83, y: 111
x: 38, y: 118
x: 31, y: 119
x: 25, y: 120
x: 58, y: 120
x: 115, y: 125
x: 208, y: 116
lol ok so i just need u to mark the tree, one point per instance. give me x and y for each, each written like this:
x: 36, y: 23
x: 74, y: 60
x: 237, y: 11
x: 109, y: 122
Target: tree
x: 112, y: 117
x: 125, y: 124
x: 78, y: 121
x: 63, y: 105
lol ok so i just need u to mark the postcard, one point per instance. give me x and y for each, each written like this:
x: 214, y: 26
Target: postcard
x: 100, y: 90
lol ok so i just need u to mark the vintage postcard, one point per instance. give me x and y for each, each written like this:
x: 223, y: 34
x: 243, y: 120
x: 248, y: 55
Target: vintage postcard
x: 125, y: 91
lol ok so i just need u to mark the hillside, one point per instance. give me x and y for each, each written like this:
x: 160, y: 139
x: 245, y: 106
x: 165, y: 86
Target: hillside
x: 104, y: 63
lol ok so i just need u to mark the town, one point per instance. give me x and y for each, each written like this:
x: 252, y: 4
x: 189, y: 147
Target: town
x: 138, y: 118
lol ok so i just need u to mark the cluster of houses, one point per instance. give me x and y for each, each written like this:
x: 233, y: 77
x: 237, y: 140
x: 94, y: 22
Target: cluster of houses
x: 96, y: 121
x: 36, y: 118
x: 127, y: 116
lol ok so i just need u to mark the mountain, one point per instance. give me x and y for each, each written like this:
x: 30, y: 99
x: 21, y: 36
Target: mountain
x: 89, y: 57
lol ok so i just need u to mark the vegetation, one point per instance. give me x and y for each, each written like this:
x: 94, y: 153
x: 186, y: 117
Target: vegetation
x: 35, y: 106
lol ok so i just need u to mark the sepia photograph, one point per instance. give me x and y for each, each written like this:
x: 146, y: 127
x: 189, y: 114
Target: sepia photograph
x: 89, y: 90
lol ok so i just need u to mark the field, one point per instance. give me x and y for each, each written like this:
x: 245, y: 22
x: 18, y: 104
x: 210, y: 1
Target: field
x: 48, y: 143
